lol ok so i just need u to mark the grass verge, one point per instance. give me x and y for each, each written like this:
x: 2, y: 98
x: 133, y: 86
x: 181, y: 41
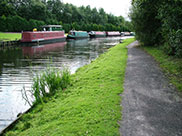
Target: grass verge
x: 90, y: 106
x: 10, y: 36
x: 171, y: 66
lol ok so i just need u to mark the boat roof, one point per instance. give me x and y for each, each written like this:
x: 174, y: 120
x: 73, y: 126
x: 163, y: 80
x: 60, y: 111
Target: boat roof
x: 77, y: 31
x: 51, y: 26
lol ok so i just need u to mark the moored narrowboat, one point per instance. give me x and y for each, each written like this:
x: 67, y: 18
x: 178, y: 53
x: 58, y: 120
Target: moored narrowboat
x: 97, y: 34
x: 126, y: 33
x: 113, y: 33
x: 132, y: 33
x: 77, y: 34
x: 50, y: 33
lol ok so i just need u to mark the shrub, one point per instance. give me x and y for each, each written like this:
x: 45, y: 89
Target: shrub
x: 170, y: 14
x: 158, y: 23
x: 174, y: 45
x: 3, y: 23
x: 146, y: 25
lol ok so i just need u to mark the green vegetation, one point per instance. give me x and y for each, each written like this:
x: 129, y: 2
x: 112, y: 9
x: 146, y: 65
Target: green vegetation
x: 27, y: 14
x: 172, y: 66
x: 10, y: 36
x: 158, y: 23
x: 90, y: 106
x: 48, y: 82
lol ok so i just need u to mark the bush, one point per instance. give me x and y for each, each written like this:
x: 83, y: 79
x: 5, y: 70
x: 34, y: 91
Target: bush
x: 146, y: 25
x: 3, y: 23
x: 174, y: 45
x: 170, y: 14
x: 158, y: 23
x: 18, y: 24
x: 67, y: 27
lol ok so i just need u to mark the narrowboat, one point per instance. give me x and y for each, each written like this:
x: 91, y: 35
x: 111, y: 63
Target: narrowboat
x: 126, y: 33
x: 50, y: 33
x: 132, y: 33
x: 97, y: 34
x: 77, y: 35
x: 122, y: 33
x: 113, y: 33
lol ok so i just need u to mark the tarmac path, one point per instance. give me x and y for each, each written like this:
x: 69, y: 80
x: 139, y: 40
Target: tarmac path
x: 150, y: 105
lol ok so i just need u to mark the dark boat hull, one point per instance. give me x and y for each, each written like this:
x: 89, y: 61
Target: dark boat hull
x: 63, y: 39
x: 75, y: 38
x: 97, y: 36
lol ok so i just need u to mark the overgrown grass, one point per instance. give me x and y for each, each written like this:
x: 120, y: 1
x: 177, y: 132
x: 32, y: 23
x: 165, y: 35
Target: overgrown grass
x: 172, y: 66
x: 48, y: 82
x: 10, y: 36
x: 91, y: 106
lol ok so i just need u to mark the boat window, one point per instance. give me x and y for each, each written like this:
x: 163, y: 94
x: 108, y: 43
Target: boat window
x: 46, y: 28
x: 57, y: 29
x: 73, y: 33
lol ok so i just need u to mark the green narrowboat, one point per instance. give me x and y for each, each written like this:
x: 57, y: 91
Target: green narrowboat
x: 77, y: 35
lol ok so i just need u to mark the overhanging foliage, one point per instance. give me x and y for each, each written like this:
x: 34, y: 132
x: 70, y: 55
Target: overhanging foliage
x: 158, y: 23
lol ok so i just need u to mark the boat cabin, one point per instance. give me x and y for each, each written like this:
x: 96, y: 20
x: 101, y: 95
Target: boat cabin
x: 52, y: 28
x: 73, y: 34
x: 50, y: 33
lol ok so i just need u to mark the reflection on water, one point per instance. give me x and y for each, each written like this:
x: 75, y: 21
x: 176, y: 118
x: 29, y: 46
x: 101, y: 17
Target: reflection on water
x: 18, y: 66
x: 42, y: 49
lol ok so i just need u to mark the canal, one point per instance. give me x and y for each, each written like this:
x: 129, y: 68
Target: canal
x: 18, y: 66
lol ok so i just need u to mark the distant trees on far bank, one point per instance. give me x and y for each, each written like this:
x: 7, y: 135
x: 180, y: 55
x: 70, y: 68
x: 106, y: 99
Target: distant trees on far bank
x: 23, y: 15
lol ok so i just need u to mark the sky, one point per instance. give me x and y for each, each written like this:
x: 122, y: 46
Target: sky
x: 116, y: 7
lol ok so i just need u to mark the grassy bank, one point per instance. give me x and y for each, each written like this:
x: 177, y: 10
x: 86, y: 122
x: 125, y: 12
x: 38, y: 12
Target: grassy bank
x: 171, y: 66
x: 90, y: 106
x: 10, y: 36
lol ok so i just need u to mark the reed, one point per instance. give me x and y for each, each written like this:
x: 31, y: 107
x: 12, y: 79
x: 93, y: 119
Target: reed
x: 48, y: 82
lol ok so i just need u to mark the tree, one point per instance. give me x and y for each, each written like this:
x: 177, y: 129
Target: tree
x: 3, y: 26
x: 146, y: 25
x: 6, y: 8
x: 55, y: 9
x: 32, y: 13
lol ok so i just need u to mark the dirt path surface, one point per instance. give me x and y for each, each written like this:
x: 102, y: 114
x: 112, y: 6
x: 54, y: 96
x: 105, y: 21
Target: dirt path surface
x: 151, y: 106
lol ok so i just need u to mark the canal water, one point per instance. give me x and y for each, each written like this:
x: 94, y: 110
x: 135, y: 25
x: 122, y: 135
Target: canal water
x: 18, y: 66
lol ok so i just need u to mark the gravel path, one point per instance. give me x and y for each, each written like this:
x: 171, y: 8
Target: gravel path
x: 151, y: 106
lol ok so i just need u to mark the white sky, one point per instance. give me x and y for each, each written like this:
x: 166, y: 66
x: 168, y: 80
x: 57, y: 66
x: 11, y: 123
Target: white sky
x: 116, y: 7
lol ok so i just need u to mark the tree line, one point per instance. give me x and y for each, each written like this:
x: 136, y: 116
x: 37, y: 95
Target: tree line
x: 158, y: 23
x: 24, y: 15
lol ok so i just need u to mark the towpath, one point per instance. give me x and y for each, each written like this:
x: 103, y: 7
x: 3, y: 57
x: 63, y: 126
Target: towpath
x: 151, y: 106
